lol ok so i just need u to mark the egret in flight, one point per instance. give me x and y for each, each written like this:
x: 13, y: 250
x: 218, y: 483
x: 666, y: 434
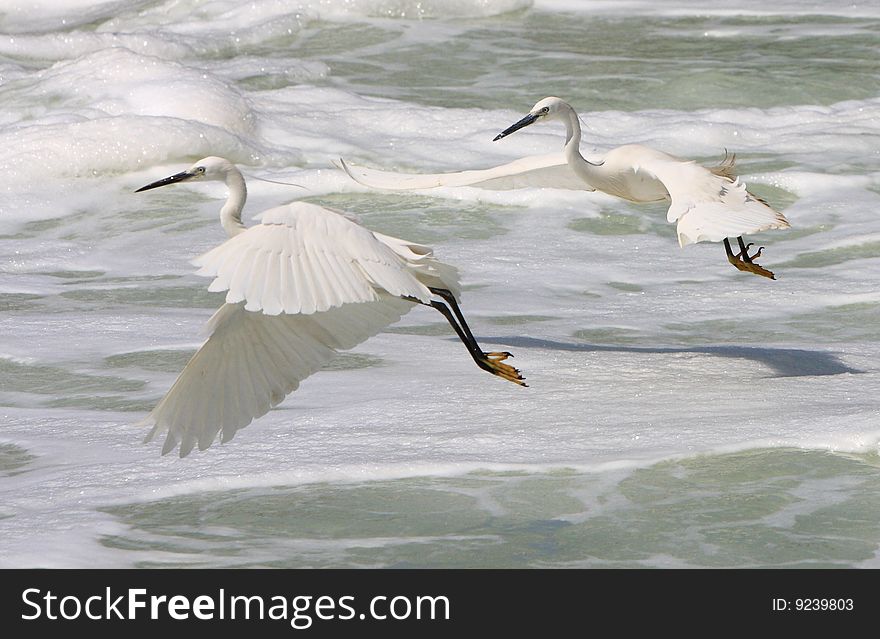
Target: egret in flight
x: 708, y: 204
x: 306, y: 282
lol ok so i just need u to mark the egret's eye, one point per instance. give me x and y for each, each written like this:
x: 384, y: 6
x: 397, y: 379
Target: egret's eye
x: 200, y: 170
x: 545, y: 111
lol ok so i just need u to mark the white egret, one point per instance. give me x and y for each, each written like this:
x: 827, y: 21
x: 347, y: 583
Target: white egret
x: 708, y: 204
x: 301, y: 285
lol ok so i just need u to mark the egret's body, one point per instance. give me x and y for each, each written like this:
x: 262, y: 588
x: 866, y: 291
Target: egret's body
x: 707, y: 204
x: 301, y: 285
x: 618, y: 173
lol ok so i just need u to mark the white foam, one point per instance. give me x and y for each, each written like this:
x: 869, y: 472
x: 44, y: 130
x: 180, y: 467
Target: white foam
x: 702, y: 8
x: 115, y: 111
x: 55, y: 46
x: 20, y: 16
x: 51, y: 15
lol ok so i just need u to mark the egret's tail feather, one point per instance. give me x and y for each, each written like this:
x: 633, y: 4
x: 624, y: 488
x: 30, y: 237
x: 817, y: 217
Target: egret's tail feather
x: 727, y: 167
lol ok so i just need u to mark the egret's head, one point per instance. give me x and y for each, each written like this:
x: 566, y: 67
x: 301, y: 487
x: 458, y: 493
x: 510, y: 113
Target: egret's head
x: 546, y: 109
x: 209, y: 168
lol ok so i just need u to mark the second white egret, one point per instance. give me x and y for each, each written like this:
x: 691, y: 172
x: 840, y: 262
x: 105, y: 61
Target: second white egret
x: 306, y: 282
x: 708, y: 204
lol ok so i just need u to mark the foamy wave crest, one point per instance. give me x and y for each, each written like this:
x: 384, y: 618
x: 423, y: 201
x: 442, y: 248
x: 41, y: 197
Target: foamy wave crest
x: 35, y: 16
x: 19, y: 16
x: 113, y: 145
x: 702, y: 8
x: 429, y: 8
x: 118, y: 81
x: 253, y: 12
x: 115, y: 110
x: 58, y: 46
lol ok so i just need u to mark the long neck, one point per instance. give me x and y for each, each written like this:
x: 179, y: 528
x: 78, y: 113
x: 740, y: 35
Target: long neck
x: 230, y: 214
x: 584, y: 169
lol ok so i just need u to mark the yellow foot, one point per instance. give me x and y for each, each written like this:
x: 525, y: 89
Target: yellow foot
x: 751, y: 267
x: 743, y: 262
x: 497, y: 367
x: 498, y: 356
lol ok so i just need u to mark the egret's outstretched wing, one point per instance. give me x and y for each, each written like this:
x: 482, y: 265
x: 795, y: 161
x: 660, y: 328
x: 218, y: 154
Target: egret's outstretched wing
x: 305, y: 258
x: 548, y: 171
x: 252, y: 361
x: 708, y: 206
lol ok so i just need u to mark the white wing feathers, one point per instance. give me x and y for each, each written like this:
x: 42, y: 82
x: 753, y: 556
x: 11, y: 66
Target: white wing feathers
x: 710, y: 207
x: 420, y: 259
x: 304, y: 258
x: 707, y: 206
x: 302, y: 285
x: 547, y: 171
x: 252, y: 361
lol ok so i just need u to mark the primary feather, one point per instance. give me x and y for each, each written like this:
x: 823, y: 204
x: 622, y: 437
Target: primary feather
x: 252, y: 361
x: 537, y: 171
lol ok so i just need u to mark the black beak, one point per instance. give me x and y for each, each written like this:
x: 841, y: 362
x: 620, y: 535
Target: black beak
x: 177, y: 177
x: 526, y: 121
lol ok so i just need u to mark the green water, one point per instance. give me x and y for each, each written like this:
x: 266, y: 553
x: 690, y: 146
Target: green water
x: 604, y: 63
x: 758, y: 508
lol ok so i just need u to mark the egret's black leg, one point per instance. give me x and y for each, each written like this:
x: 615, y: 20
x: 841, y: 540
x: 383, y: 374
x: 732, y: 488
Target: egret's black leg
x: 744, y: 250
x: 444, y: 310
x: 451, y: 301
x: 730, y: 256
x: 494, y: 366
x: 483, y: 360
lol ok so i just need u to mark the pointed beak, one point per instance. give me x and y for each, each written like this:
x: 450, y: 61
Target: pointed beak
x: 177, y: 177
x: 526, y: 121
